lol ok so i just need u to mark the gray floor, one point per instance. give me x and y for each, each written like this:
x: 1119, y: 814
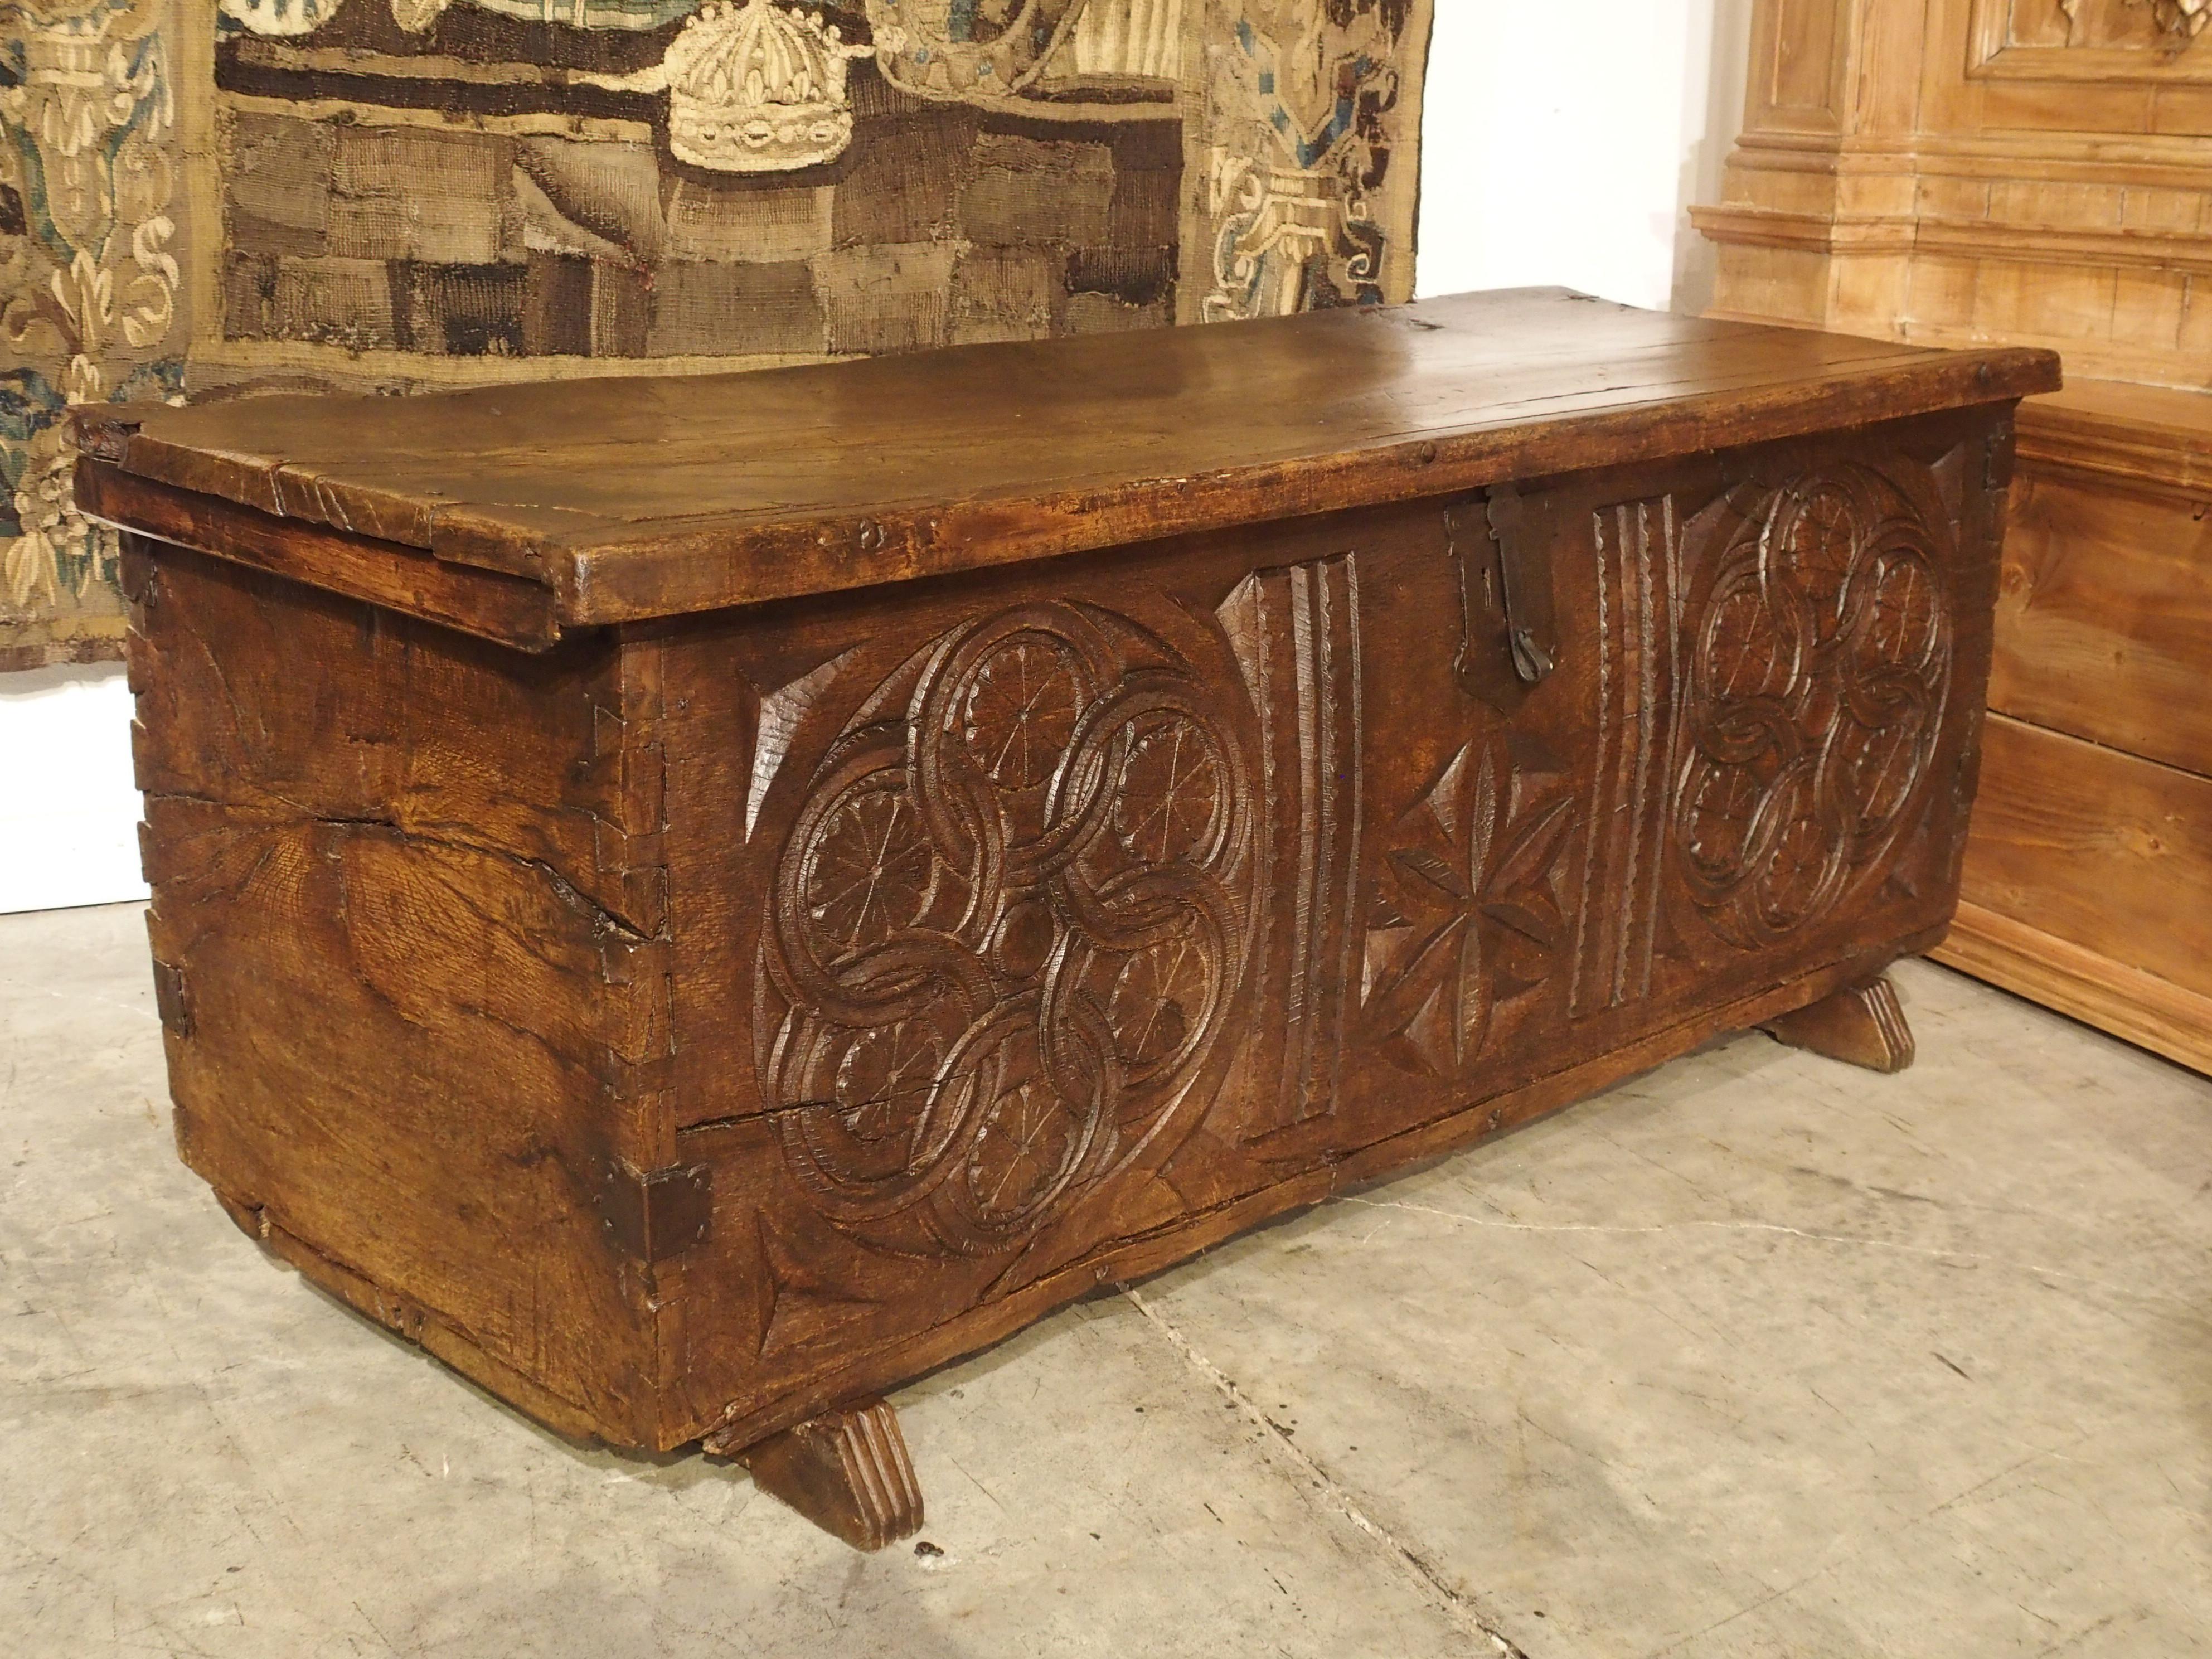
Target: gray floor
x: 1758, y: 1356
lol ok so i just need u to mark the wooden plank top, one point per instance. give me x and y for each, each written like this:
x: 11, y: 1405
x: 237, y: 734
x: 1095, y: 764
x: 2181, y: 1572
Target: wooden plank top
x: 629, y: 498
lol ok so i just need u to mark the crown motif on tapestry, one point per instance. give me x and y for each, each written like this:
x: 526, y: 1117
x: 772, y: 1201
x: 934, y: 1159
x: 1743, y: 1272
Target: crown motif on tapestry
x: 753, y: 89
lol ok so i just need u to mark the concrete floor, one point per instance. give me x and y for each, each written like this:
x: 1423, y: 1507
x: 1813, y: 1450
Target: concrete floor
x: 1757, y: 1356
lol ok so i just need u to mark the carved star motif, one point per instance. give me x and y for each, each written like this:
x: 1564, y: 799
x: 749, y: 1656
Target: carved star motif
x: 1477, y: 919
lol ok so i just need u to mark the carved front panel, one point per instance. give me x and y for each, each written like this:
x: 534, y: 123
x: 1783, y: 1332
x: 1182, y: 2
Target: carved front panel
x: 1473, y: 912
x: 1295, y: 630
x: 1641, y: 667
x: 1037, y: 915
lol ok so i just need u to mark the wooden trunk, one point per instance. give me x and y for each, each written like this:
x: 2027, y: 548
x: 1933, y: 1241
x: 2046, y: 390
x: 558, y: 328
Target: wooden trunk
x: 698, y: 915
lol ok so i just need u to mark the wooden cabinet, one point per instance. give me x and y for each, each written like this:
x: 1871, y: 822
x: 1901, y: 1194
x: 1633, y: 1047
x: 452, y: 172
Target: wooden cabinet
x: 1965, y: 172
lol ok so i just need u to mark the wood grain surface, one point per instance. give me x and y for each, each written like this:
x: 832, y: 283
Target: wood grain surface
x: 2142, y: 1008
x: 2102, y: 847
x: 2105, y: 617
x: 656, y: 495
x: 407, y: 966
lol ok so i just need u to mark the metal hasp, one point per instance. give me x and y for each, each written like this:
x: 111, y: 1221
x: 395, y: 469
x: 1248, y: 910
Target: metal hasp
x: 1522, y: 561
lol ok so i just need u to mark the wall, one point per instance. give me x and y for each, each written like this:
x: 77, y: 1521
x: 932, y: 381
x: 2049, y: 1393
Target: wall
x: 72, y: 838
x: 1562, y: 145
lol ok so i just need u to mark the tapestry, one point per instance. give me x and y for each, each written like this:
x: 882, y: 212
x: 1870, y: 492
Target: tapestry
x: 90, y: 280
x: 215, y: 197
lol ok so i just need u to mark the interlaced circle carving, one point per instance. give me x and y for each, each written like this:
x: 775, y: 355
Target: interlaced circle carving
x: 1005, y: 926
x: 1822, y: 662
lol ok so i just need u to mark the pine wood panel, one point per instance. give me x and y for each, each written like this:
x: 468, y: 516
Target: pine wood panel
x: 2105, y: 849
x: 2152, y: 1013
x: 2149, y: 434
x: 1979, y: 184
x: 2104, y: 614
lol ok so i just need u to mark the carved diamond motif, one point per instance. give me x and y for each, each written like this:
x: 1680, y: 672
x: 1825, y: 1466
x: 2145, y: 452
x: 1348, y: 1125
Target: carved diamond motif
x: 1475, y: 918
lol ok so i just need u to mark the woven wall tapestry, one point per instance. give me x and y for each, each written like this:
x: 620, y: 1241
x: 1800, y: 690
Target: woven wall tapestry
x: 393, y: 195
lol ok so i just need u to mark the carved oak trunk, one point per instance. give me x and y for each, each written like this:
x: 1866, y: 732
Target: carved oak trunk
x: 697, y: 901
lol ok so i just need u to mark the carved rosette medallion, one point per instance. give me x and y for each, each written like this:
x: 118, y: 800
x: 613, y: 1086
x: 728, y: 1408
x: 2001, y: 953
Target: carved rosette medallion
x: 1007, y: 928
x: 1821, y: 662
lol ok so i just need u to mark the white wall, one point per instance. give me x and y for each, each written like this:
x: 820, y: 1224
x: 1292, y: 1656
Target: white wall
x: 68, y: 813
x: 1563, y: 143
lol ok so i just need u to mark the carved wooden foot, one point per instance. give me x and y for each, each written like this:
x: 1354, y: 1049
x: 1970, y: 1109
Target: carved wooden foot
x: 1861, y: 1024
x: 846, y: 1471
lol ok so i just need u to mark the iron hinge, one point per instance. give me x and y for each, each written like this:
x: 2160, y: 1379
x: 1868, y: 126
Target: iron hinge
x: 172, y: 1000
